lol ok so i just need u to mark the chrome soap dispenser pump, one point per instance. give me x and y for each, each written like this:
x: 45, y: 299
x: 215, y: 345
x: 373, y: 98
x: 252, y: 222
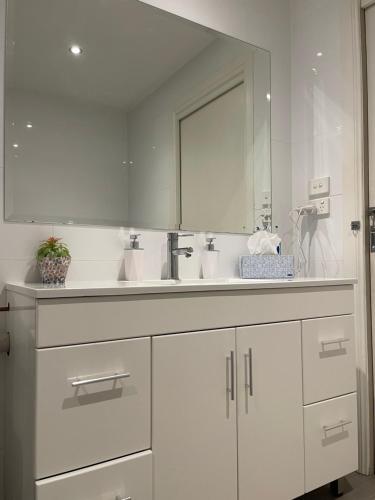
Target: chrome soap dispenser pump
x: 210, y: 260
x: 134, y: 259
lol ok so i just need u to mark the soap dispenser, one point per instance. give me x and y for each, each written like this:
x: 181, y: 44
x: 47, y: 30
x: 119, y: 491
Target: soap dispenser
x: 210, y: 260
x: 134, y: 260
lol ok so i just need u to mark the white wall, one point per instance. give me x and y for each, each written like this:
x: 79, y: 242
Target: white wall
x: 97, y: 253
x: 323, y: 126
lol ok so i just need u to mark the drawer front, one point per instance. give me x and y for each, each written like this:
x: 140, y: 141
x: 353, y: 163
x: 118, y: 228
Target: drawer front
x: 331, y: 440
x: 125, y: 478
x: 79, y: 423
x: 328, y: 346
x: 94, y: 319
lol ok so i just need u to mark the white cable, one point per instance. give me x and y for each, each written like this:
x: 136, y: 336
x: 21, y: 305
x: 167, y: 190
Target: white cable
x: 301, y: 212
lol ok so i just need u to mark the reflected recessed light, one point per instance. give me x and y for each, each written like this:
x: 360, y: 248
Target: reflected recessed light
x: 29, y: 125
x: 315, y: 71
x: 319, y: 54
x: 268, y: 97
x: 76, y: 50
x: 15, y: 146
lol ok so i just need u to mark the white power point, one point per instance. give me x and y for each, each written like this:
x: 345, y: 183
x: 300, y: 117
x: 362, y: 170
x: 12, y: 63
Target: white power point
x: 320, y: 186
x: 323, y: 206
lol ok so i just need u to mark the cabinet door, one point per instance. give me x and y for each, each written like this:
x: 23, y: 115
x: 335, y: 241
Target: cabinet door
x: 194, y: 436
x: 270, y: 413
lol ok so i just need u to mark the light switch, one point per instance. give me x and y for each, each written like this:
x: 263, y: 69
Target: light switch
x: 319, y: 186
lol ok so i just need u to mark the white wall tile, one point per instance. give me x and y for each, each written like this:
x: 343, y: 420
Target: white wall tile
x: 91, y: 243
x: 322, y: 120
x: 282, y: 191
x: 20, y: 241
x: 327, y: 269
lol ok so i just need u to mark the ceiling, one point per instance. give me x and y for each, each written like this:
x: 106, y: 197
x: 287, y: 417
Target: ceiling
x: 129, y: 49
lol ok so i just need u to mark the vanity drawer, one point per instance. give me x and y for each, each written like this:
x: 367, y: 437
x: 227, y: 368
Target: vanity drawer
x: 331, y: 440
x: 328, y: 347
x: 68, y: 321
x: 129, y: 477
x: 82, y: 420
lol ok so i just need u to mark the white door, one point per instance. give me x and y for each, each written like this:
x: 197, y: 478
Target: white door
x: 215, y: 174
x: 270, y: 412
x: 194, y: 436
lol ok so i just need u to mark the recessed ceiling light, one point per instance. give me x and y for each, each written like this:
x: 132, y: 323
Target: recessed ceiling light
x: 29, y: 125
x: 315, y: 71
x: 15, y: 146
x: 268, y: 97
x: 319, y: 54
x: 76, y: 50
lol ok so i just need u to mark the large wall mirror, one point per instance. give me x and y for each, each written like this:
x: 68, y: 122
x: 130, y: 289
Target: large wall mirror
x: 117, y: 113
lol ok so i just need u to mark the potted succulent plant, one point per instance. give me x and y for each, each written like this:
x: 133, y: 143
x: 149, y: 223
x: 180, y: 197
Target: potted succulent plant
x: 54, y: 259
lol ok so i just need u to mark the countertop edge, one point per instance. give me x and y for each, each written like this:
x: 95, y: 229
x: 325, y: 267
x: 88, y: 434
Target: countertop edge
x: 105, y: 291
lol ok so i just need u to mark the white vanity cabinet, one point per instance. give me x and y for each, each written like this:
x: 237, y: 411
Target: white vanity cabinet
x: 178, y: 392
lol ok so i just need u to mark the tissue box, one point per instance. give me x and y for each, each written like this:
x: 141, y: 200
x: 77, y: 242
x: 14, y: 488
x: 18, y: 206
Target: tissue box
x: 266, y: 266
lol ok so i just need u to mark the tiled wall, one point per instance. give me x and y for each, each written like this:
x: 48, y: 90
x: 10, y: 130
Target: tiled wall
x: 322, y: 122
x: 97, y: 252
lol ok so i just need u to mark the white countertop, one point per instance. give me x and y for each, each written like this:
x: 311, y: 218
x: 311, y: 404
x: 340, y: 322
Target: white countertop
x: 118, y: 288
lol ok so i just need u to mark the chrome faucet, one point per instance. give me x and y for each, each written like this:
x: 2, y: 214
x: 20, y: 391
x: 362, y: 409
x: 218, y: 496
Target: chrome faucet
x: 174, y: 252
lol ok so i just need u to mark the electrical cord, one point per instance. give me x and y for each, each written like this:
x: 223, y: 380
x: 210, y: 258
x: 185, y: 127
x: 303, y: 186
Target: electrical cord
x: 301, y: 213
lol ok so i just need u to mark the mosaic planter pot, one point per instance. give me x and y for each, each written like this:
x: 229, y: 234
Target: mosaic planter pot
x: 54, y: 270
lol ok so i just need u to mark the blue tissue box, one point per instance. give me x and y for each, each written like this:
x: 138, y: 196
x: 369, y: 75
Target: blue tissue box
x: 266, y: 266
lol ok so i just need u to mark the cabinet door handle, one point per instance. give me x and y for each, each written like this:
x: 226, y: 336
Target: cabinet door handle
x: 249, y: 371
x: 127, y: 498
x: 116, y: 376
x: 230, y: 388
x: 339, y: 425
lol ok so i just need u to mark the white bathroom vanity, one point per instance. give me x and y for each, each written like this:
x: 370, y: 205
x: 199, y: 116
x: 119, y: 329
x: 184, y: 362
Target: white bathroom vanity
x: 179, y: 390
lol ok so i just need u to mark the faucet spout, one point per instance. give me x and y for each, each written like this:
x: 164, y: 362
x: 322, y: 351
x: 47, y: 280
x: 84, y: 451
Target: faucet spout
x: 187, y: 251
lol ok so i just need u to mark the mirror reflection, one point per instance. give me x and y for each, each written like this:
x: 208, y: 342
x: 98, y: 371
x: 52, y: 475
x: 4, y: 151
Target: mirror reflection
x: 117, y: 113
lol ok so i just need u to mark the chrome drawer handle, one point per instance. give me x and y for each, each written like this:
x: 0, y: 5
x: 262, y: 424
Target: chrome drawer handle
x: 117, y: 376
x: 334, y: 341
x: 339, y: 425
x: 230, y: 388
x: 249, y: 372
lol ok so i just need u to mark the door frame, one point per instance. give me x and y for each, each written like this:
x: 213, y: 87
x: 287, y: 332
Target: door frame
x: 209, y: 91
x: 363, y: 317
